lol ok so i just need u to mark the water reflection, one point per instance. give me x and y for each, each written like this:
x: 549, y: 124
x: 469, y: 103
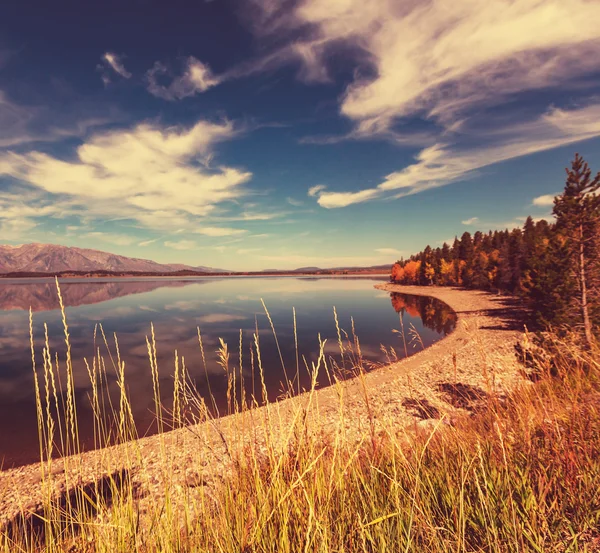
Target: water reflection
x: 433, y: 313
x: 40, y: 294
x: 222, y: 308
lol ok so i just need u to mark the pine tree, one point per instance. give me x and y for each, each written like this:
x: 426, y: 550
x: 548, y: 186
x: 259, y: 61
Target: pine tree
x: 577, y: 213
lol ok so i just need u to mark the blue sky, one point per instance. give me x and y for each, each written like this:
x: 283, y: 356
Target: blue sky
x: 277, y: 134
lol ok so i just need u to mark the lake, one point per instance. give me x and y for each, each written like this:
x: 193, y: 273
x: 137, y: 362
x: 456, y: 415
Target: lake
x: 228, y: 308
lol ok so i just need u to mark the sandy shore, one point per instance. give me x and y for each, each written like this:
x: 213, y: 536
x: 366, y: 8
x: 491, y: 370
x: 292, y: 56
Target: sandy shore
x: 478, y: 355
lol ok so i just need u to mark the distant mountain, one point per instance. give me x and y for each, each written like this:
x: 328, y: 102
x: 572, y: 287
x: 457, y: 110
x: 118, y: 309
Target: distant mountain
x: 307, y: 269
x: 51, y: 258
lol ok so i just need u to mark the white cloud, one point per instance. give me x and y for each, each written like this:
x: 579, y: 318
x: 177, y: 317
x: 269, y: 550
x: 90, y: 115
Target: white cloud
x: 544, y: 201
x: 16, y: 229
x: 516, y: 222
x: 148, y: 174
x: 115, y: 63
x: 295, y: 202
x: 315, y: 190
x: 220, y: 231
x: 445, y: 63
x: 180, y: 245
x: 439, y: 57
x: 332, y: 200
x: 197, y: 77
x: 442, y: 164
x: 245, y: 216
x: 110, y: 238
x: 145, y: 243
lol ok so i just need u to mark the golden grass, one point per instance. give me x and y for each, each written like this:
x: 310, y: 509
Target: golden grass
x: 520, y: 474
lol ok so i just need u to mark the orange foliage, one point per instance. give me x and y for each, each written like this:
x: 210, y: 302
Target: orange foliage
x: 411, y: 271
x: 397, y: 273
x: 398, y: 302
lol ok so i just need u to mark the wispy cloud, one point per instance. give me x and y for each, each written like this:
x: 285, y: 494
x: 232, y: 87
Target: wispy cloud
x: 220, y: 231
x: 145, y: 243
x: 485, y: 225
x: 388, y: 251
x: 13, y: 230
x: 444, y: 163
x: 196, y: 77
x: 116, y: 64
x: 181, y: 244
x: 446, y: 65
x: 111, y: 238
x: 21, y: 125
x: 440, y: 59
x: 315, y: 190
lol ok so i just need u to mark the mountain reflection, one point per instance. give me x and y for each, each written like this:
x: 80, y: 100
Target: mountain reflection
x: 228, y: 309
x: 42, y: 296
x: 434, y: 314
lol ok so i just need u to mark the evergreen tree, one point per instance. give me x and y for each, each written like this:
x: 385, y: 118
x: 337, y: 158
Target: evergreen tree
x: 554, y: 267
x: 577, y: 213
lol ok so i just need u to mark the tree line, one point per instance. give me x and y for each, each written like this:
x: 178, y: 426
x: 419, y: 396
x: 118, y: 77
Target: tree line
x: 554, y: 266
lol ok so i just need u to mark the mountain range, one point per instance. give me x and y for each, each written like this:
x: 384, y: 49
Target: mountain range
x: 51, y: 258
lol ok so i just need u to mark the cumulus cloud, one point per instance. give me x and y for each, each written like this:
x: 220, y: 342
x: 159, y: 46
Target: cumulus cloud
x: 471, y: 221
x: 149, y: 175
x: 196, y: 77
x: 115, y: 63
x: 546, y: 200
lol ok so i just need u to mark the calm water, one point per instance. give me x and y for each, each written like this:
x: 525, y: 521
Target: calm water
x: 220, y: 307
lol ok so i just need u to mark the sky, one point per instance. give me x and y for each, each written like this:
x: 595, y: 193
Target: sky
x: 259, y: 134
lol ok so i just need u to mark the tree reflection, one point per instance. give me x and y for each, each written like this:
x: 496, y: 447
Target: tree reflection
x: 435, y: 314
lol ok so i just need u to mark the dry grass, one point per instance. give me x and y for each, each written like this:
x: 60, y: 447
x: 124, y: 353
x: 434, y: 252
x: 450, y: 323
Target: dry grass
x: 520, y: 474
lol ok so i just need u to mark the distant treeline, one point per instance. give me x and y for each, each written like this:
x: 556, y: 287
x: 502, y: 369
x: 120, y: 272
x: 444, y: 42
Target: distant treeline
x: 554, y: 266
x: 190, y: 273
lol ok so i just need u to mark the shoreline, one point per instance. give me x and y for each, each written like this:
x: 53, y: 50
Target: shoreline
x: 478, y: 353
